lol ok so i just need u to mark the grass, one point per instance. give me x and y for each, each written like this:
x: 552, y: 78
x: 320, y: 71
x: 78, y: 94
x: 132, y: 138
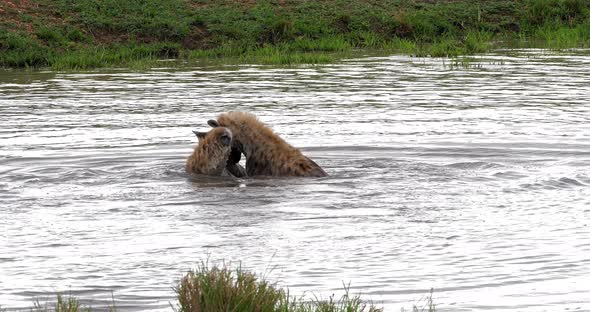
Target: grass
x: 224, y: 289
x: 563, y: 38
x: 68, y: 34
x: 302, y: 51
x: 429, y: 306
x: 62, y: 304
x: 220, y: 289
x: 122, y: 55
x: 66, y: 304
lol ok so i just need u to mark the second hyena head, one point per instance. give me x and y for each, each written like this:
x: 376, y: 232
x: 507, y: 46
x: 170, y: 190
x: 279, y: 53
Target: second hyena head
x: 211, y: 154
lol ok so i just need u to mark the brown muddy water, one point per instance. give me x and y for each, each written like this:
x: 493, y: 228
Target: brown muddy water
x: 472, y: 180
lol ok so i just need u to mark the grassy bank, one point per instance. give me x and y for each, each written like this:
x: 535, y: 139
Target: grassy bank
x: 219, y: 288
x: 68, y: 34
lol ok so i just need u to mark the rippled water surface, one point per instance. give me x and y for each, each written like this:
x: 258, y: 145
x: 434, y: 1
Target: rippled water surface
x: 474, y: 181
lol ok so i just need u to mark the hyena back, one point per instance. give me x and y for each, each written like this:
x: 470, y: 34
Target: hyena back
x: 266, y: 153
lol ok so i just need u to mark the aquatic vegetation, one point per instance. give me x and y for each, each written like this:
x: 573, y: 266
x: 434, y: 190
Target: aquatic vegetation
x: 276, y: 56
x: 221, y: 288
x: 299, y: 51
x: 110, y: 56
x: 406, y: 46
x: 562, y: 38
x: 336, y: 43
x: 225, y: 289
x: 67, y: 303
x: 427, y: 306
x: 62, y: 304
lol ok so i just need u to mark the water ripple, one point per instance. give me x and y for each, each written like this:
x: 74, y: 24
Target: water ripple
x: 470, y: 180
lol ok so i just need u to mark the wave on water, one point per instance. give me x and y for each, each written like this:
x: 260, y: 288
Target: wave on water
x: 438, y: 177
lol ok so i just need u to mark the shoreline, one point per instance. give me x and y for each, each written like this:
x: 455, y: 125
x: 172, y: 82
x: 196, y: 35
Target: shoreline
x: 86, y: 35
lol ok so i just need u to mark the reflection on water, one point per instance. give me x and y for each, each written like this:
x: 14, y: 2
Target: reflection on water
x: 473, y: 181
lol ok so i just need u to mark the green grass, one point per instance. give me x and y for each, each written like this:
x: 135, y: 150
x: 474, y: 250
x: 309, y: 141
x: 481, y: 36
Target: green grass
x: 299, y: 51
x: 556, y: 12
x: 334, y: 43
x: 562, y: 38
x: 556, y: 24
x: 222, y: 289
x: 19, y: 50
x: 428, y: 306
x: 271, y: 55
x: 149, y: 19
x: 67, y: 303
x: 68, y: 34
x: 121, y: 55
x: 400, y: 45
x: 226, y: 289
x: 62, y: 304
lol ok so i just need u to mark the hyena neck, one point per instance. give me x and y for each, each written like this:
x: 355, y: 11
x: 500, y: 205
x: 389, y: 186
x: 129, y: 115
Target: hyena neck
x: 246, y: 146
x: 252, y: 143
x: 252, y: 136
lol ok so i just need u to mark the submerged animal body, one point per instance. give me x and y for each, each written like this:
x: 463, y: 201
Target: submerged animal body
x: 211, y: 155
x: 266, y: 153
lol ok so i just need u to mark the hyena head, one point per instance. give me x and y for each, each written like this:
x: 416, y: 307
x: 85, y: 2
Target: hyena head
x: 236, y: 149
x: 211, y: 154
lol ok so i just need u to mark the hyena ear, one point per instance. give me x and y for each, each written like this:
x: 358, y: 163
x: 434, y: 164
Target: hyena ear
x: 213, y: 123
x: 200, y: 135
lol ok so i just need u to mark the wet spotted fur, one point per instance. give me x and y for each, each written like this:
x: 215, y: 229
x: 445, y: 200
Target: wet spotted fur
x: 266, y: 153
x: 211, y: 154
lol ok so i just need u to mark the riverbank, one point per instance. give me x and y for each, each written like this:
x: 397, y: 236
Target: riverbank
x: 89, y: 34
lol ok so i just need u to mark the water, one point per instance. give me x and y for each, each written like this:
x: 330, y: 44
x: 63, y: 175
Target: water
x: 471, y: 180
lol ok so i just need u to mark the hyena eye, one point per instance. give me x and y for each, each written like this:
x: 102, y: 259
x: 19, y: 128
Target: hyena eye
x: 225, y: 139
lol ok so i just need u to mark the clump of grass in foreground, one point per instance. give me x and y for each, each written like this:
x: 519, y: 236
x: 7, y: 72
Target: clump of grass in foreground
x: 344, y: 304
x: 220, y: 289
x: 223, y: 289
x: 66, y: 304
x: 428, y: 307
x: 63, y: 304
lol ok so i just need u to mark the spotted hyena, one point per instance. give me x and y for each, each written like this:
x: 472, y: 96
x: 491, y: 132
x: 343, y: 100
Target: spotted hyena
x: 266, y: 153
x: 213, y: 155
